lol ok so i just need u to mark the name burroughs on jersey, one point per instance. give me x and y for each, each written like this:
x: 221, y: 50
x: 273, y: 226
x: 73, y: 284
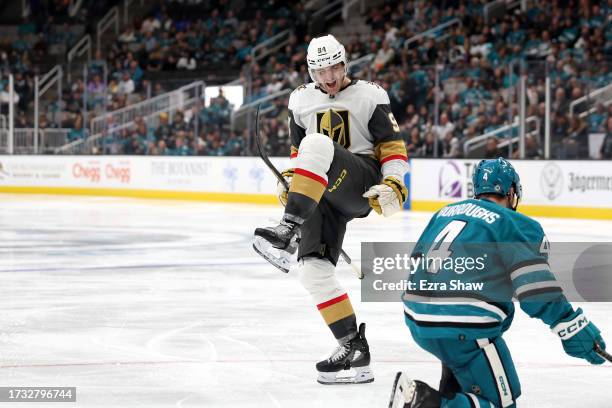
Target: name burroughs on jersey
x: 425, y: 285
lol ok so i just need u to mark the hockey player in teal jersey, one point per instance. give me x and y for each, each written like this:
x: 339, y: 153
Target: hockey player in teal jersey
x: 463, y: 329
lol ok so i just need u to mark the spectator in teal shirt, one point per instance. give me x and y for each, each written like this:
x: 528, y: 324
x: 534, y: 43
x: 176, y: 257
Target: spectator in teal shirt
x: 77, y: 132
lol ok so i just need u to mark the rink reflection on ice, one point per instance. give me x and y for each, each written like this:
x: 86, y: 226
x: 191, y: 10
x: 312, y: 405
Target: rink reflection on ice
x: 162, y: 303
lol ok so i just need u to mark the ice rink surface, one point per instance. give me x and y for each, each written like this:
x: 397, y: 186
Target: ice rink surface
x: 142, y: 303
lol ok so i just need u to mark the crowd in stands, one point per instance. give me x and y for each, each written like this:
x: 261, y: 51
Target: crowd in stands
x: 189, y: 36
x: 192, y: 35
x: 39, y: 42
x: 181, y: 37
x: 479, y: 62
x: 195, y: 131
x: 572, y: 40
x: 176, y: 35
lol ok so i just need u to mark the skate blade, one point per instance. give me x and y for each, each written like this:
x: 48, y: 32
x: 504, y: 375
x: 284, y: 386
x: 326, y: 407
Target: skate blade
x: 359, y: 375
x: 402, y: 392
x: 277, y: 257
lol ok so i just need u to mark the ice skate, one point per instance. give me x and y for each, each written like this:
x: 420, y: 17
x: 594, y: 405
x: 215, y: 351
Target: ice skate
x: 349, y: 363
x: 408, y: 393
x: 277, y: 244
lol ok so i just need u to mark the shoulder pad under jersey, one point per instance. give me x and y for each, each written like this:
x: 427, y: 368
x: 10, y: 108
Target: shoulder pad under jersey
x: 373, y: 91
x: 301, y: 95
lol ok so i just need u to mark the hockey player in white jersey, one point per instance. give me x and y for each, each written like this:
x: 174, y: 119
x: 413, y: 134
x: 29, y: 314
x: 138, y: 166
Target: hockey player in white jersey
x: 347, y: 157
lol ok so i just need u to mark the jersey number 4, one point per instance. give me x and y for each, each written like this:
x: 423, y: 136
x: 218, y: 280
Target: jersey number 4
x: 441, y: 247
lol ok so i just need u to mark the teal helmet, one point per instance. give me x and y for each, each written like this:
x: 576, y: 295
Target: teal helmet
x: 497, y: 176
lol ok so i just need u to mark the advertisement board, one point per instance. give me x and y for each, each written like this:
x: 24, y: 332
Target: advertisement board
x: 549, y: 187
x: 217, y: 178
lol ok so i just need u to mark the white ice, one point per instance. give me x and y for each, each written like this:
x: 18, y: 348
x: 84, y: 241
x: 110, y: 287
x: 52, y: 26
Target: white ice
x: 142, y: 303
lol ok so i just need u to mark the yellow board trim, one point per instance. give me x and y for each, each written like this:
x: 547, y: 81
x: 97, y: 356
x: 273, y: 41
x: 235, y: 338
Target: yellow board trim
x: 155, y: 194
x: 270, y: 199
x: 532, y: 210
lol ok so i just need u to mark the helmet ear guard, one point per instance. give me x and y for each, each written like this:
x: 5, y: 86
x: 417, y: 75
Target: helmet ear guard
x: 514, y: 197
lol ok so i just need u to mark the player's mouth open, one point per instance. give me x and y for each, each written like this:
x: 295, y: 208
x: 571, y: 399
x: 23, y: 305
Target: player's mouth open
x: 332, y: 84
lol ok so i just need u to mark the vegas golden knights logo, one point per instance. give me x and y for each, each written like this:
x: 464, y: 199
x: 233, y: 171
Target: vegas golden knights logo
x: 335, y: 124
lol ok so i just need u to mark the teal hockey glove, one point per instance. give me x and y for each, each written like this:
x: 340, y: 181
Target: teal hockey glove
x: 578, y: 336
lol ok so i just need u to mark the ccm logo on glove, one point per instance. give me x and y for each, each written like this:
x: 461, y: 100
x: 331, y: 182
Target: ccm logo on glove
x: 567, y: 330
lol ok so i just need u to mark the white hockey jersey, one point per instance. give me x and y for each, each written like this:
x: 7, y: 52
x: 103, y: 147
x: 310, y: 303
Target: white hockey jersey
x: 358, y: 118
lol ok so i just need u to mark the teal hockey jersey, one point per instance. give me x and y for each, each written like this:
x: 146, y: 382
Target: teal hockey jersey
x: 476, y: 259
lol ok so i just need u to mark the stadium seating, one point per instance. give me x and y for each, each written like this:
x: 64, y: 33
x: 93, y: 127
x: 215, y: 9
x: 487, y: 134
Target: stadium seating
x: 475, y: 55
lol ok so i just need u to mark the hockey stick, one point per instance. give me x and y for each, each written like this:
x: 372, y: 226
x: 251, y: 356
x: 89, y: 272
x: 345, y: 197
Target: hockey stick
x: 281, y: 179
x: 603, y: 353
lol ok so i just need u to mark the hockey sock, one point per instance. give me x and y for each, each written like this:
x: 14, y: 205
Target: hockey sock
x: 306, y: 191
x: 309, y: 181
x: 317, y: 275
x: 339, y: 315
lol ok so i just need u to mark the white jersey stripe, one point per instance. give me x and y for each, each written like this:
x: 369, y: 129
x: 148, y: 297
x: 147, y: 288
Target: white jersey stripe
x: 459, y: 302
x: 449, y: 318
x: 528, y: 269
x: 536, y: 285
